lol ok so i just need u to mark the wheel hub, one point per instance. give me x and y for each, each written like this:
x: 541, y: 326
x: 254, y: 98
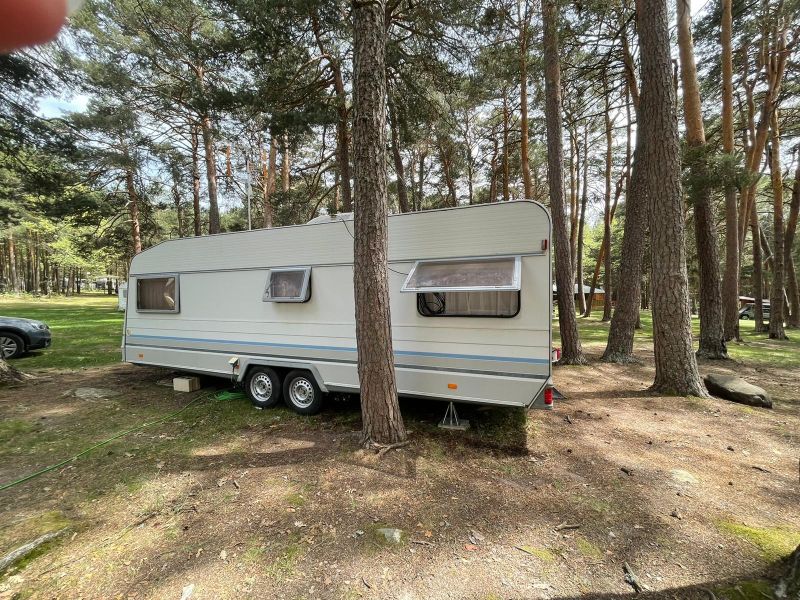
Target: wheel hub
x: 7, y: 346
x: 261, y: 387
x: 302, y: 392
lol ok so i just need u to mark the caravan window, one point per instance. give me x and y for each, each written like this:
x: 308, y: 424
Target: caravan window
x: 483, y: 287
x: 288, y: 285
x: 468, y: 304
x: 157, y: 294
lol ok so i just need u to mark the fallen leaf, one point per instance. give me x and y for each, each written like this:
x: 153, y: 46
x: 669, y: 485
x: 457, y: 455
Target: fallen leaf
x: 470, y: 547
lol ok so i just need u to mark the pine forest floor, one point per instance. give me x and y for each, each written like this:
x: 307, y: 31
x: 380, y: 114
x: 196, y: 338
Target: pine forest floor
x: 225, y: 501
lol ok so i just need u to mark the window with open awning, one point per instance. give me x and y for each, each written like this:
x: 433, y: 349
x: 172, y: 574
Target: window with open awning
x: 483, y: 287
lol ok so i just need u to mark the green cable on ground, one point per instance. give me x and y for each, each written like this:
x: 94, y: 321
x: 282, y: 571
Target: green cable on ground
x: 226, y: 395
x: 11, y: 484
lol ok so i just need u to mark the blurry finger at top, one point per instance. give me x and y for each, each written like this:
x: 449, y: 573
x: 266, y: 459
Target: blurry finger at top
x: 30, y: 22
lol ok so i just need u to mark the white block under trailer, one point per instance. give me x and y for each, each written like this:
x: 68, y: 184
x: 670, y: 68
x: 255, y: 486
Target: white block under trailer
x: 470, y: 295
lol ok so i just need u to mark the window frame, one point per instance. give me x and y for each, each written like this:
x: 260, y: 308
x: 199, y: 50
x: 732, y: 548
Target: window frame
x: 175, y: 276
x: 516, y: 284
x: 305, y: 295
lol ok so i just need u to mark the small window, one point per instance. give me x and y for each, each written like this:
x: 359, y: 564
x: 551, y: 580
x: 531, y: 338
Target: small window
x: 288, y: 285
x: 481, y: 274
x: 503, y: 304
x: 157, y: 294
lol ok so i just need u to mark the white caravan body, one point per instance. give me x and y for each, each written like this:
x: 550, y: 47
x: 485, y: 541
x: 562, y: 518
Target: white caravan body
x: 218, y: 319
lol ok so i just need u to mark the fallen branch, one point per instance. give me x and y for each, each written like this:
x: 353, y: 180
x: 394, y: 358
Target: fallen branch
x: 632, y: 580
x: 566, y: 526
x: 16, y: 555
x: 422, y: 543
x: 762, y: 469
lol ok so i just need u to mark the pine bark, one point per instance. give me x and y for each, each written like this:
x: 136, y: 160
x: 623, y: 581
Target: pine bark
x: 675, y: 361
x: 581, y: 227
x: 523, y: 99
x: 506, y: 166
x: 268, y: 184
x: 198, y: 228
x: 571, y: 351
x: 625, y: 320
x: 286, y: 174
x: 712, y: 336
x: 791, y: 275
x: 758, y: 272
x: 133, y: 209
x: 399, y: 168
x: 211, y: 174
x: 607, y: 211
x: 730, y: 279
x: 382, y: 421
x: 776, y: 315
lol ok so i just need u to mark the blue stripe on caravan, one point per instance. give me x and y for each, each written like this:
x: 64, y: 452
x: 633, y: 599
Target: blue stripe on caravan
x: 512, y: 359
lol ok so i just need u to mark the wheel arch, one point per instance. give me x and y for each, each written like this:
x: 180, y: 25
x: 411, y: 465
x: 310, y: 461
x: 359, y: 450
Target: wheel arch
x: 281, y: 366
x: 17, y: 332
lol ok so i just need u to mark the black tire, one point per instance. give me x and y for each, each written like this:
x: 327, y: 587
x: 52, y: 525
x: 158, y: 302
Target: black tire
x: 263, y: 386
x: 301, y: 393
x: 11, y: 343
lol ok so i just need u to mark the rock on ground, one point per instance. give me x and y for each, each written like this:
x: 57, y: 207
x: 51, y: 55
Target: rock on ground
x: 738, y: 390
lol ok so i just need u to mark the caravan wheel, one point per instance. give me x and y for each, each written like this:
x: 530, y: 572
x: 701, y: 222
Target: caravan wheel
x: 301, y: 393
x: 263, y: 387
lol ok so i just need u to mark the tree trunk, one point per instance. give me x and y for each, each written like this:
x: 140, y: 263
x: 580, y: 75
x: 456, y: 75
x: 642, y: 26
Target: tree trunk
x: 607, y: 211
x: 421, y: 191
x: 133, y: 208
x: 523, y: 98
x: 342, y: 123
x: 574, y: 192
x: 712, y: 337
x: 380, y: 410
x: 506, y: 168
x: 285, y: 168
x: 267, y: 177
x: 198, y: 226
x: 12, y: 262
x: 211, y: 174
x: 676, y: 364
x: 630, y: 300
x: 9, y: 374
x: 730, y: 279
x: 758, y: 272
x: 571, y: 352
x: 176, y: 197
x: 776, y: 303
x: 581, y: 226
x: 791, y: 275
x: 402, y: 192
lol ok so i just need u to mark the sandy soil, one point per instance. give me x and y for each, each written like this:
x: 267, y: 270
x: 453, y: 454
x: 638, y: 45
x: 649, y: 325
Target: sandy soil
x: 275, y: 506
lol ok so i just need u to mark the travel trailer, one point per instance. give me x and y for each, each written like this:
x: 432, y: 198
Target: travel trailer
x: 470, y: 300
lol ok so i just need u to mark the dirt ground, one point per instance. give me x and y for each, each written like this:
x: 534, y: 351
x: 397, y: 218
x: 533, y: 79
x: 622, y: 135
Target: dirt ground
x: 225, y: 501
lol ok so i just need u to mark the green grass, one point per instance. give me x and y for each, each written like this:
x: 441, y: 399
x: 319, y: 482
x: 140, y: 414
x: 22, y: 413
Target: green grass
x: 87, y: 330
x: 755, y: 348
x: 774, y: 543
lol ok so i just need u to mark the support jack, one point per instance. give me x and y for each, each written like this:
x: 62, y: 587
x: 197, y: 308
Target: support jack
x: 451, y: 420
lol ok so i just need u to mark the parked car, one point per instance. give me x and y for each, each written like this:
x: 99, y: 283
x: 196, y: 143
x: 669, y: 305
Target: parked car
x: 749, y: 311
x: 18, y: 336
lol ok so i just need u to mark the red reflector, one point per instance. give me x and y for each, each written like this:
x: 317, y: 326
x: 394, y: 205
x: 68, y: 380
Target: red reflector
x: 548, y: 396
x: 544, y: 245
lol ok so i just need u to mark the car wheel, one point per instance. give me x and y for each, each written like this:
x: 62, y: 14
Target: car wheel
x: 263, y: 387
x: 744, y: 318
x: 301, y: 393
x: 11, y: 346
